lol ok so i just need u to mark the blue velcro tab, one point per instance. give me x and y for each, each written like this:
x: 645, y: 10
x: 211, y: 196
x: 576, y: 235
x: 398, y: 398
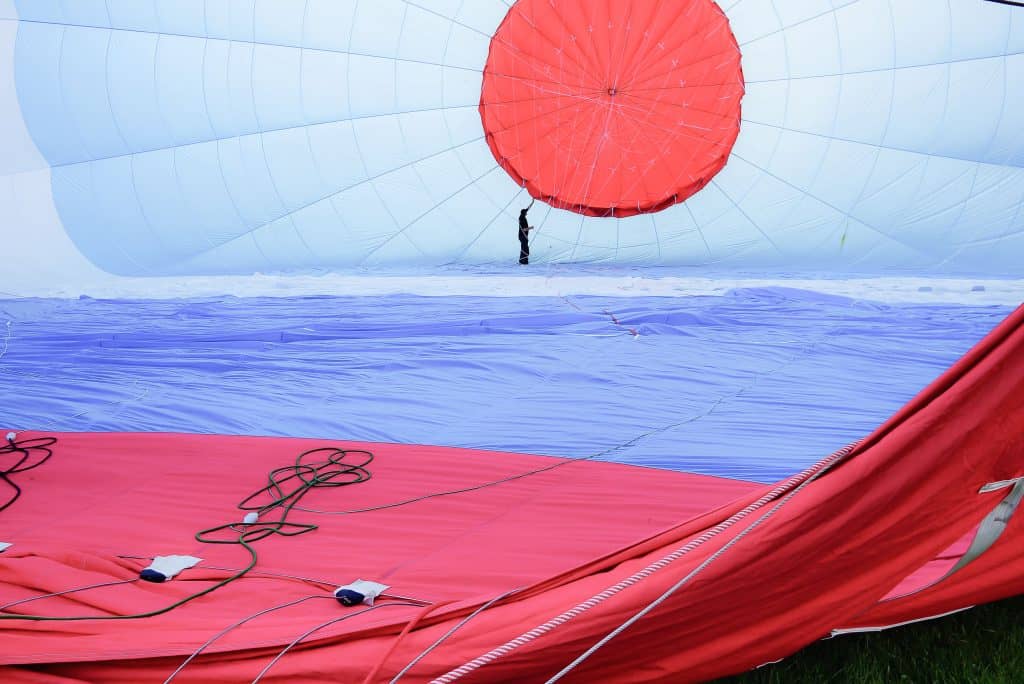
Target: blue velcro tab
x: 152, y: 576
x: 348, y: 597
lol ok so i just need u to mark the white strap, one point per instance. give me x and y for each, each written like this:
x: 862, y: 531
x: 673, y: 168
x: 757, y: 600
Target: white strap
x: 169, y: 566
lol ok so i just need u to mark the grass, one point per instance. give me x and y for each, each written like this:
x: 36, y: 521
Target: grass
x: 984, y: 644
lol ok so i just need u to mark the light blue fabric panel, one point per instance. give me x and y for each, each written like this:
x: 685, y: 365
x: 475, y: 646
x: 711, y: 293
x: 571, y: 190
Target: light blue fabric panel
x: 877, y: 135
x: 756, y: 384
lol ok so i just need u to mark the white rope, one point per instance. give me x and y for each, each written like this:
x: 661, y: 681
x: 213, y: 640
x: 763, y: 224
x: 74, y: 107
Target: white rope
x: 322, y: 625
x: 450, y: 632
x: 675, y: 587
x: 792, y: 484
x: 196, y: 653
x: 65, y: 592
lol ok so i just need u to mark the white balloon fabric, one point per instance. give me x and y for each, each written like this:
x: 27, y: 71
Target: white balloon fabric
x: 236, y: 136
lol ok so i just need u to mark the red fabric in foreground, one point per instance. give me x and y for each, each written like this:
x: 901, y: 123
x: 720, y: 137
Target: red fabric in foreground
x: 102, y: 496
x: 612, y: 108
x: 782, y: 576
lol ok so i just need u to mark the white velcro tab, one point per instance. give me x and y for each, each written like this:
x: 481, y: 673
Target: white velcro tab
x: 370, y: 590
x: 169, y: 566
x: 996, y: 486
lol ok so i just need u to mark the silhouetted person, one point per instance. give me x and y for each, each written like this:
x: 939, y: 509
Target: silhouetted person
x: 524, y: 235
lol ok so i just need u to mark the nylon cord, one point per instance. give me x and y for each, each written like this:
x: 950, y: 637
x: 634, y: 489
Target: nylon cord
x: 330, y: 622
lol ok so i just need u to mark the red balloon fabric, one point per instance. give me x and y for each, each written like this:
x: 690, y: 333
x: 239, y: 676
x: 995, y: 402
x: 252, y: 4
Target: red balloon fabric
x: 612, y: 108
x: 504, y: 567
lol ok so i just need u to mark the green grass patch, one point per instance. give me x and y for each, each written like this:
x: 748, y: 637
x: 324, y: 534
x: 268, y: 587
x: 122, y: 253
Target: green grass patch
x: 984, y: 645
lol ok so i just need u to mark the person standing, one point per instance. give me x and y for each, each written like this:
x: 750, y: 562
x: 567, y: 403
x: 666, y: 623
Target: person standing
x: 524, y: 235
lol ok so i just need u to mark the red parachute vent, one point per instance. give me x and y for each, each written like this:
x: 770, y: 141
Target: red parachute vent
x: 612, y: 108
